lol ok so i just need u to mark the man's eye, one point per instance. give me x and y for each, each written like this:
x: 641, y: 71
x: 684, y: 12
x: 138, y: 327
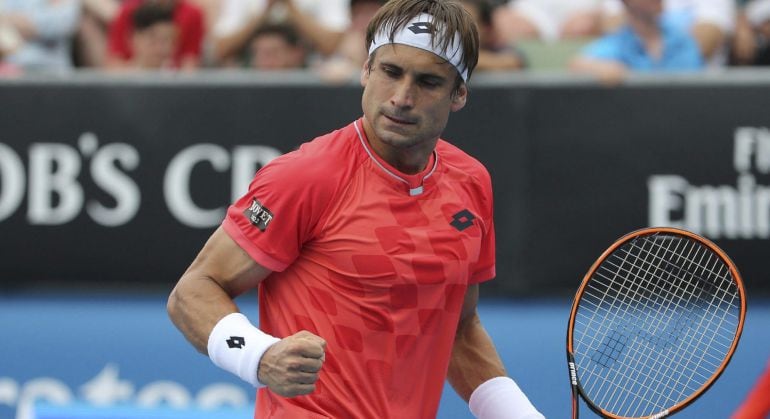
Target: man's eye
x: 430, y: 83
x: 390, y: 71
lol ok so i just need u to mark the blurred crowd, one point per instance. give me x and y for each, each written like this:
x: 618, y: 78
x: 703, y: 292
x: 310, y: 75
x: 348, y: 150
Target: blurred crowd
x: 614, y: 37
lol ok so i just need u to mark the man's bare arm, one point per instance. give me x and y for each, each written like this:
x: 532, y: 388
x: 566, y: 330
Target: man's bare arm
x: 476, y: 371
x: 205, y: 292
x: 474, y: 357
x: 203, y: 300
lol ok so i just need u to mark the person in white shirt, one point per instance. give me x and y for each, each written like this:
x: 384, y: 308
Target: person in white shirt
x: 43, y: 31
x: 320, y: 22
x: 548, y: 20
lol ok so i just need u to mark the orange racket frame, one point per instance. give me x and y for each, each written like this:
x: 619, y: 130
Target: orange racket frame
x: 575, y: 379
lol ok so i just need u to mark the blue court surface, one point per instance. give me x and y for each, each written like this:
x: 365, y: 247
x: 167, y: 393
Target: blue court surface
x: 102, y: 355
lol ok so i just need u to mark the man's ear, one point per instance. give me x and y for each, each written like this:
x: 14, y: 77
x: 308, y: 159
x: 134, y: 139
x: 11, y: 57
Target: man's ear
x: 459, y: 98
x: 365, y: 73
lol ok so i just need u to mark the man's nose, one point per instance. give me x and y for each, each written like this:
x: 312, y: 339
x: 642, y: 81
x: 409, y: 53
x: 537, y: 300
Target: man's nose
x: 404, y: 95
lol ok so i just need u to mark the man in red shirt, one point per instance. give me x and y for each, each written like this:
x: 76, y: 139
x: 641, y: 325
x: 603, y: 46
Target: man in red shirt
x: 367, y: 245
x: 190, y: 30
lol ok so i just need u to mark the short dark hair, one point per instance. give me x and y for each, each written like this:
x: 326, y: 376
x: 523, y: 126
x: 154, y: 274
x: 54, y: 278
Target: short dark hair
x: 396, y: 14
x: 150, y: 13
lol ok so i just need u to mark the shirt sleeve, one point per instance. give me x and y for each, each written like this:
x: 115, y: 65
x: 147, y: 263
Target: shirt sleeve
x: 57, y: 20
x: 331, y: 14
x: 192, y: 33
x: 117, y: 38
x: 604, y: 48
x: 718, y: 12
x: 280, y: 211
x: 235, y: 14
x: 691, y: 58
x: 484, y: 269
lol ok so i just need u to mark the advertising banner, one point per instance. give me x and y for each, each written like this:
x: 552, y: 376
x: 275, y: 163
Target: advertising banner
x: 121, y: 183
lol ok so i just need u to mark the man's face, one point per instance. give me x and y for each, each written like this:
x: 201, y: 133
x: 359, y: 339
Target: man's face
x: 408, y: 96
x: 154, y: 46
x: 645, y: 9
x: 272, y: 52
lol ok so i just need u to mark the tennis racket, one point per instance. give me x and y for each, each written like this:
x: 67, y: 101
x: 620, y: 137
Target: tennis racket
x: 653, y: 325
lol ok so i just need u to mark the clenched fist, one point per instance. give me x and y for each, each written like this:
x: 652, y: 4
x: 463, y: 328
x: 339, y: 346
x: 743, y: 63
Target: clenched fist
x: 290, y: 367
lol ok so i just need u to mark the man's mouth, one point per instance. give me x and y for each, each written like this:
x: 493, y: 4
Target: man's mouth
x: 399, y: 120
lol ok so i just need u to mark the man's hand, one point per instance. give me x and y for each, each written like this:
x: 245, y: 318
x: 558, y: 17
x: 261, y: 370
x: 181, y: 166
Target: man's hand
x: 290, y: 367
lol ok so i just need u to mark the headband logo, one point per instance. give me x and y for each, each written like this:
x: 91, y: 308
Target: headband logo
x: 420, y: 27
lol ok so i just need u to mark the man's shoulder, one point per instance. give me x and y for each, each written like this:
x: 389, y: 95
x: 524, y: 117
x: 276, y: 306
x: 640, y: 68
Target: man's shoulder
x: 456, y: 158
x: 324, y: 159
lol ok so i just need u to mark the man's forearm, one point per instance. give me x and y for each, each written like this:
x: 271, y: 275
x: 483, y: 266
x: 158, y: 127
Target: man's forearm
x: 195, y: 306
x: 474, y: 358
x: 477, y: 374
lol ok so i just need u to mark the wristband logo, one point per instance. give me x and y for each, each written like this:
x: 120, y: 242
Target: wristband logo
x: 236, y: 342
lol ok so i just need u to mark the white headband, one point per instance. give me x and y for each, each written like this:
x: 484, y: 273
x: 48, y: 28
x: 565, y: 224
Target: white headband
x: 418, y: 33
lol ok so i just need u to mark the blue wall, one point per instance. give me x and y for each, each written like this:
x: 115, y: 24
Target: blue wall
x: 122, y: 351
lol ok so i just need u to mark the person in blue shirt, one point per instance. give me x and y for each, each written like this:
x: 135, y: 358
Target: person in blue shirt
x: 646, y: 43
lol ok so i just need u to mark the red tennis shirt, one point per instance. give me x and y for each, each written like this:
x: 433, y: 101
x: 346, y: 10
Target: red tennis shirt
x: 187, y: 17
x: 374, y: 261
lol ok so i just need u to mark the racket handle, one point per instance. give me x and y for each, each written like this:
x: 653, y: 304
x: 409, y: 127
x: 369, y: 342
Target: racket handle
x: 573, y: 386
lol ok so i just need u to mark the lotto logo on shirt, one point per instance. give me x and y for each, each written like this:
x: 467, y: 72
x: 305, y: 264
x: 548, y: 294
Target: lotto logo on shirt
x: 258, y: 215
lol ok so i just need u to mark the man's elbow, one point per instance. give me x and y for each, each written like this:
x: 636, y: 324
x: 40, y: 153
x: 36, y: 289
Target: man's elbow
x: 173, y: 303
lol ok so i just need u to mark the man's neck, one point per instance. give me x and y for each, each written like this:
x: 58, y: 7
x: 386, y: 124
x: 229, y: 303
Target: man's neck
x: 410, y: 160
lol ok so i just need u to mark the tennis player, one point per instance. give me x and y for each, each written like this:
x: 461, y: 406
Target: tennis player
x: 367, y: 245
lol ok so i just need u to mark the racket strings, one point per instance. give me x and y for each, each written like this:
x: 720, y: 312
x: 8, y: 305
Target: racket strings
x: 679, y: 362
x: 651, y: 341
x: 648, y: 307
x: 658, y: 392
x: 622, y: 376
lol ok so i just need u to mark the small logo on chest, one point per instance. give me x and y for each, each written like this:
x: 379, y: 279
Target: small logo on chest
x: 462, y: 220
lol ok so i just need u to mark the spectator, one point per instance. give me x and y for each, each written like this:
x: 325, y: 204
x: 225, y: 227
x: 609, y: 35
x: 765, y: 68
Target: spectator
x: 39, y: 33
x: 348, y: 58
x: 644, y: 43
x: 548, y: 20
x: 751, y: 43
x: 91, y: 37
x: 320, y: 22
x: 10, y: 41
x: 493, y: 53
x: 187, y: 51
x: 711, y: 22
x: 276, y: 47
x: 211, y: 10
x: 154, y: 36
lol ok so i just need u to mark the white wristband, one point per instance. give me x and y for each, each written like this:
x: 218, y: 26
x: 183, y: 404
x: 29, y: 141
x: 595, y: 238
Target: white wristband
x: 237, y: 346
x: 501, y: 398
